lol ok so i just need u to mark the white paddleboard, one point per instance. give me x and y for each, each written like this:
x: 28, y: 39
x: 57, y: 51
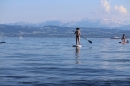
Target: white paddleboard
x: 77, y: 46
x: 124, y: 42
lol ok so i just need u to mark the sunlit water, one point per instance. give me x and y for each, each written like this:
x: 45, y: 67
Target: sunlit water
x: 54, y: 62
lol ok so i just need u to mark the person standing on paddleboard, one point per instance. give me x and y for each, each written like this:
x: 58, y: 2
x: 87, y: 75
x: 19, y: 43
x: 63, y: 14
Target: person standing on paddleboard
x: 77, y: 32
x: 123, y: 38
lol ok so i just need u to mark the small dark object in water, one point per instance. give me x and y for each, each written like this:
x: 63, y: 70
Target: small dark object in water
x: 2, y: 42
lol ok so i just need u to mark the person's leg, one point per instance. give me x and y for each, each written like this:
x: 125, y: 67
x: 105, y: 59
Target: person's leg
x: 79, y: 40
x: 123, y: 40
x: 76, y: 40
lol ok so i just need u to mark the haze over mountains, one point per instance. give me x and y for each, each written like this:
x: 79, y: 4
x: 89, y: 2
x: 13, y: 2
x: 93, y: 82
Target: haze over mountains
x: 55, y: 28
x: 95, y: 23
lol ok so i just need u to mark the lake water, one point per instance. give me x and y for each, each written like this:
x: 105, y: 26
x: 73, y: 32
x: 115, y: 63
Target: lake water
x: 54, y: 62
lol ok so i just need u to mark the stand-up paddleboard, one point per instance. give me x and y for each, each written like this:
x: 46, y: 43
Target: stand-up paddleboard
x: 124, y: 42
x: 77, y: 46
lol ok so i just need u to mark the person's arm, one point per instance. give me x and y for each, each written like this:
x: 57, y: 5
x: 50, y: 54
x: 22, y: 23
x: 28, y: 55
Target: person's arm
x: 75, y: 32
x: 122, y: 37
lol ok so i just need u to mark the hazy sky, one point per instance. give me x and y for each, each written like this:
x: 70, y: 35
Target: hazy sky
x: 36, y: 11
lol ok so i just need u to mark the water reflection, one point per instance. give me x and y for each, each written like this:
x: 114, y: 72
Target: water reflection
x: 77, y: 50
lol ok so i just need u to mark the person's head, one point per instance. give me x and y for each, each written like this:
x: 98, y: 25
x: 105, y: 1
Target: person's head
x: 77, y: 28
x: 123, y: 34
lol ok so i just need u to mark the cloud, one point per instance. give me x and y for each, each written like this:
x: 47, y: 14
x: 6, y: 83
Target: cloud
x: 105, y: 6
x: 121, y: 9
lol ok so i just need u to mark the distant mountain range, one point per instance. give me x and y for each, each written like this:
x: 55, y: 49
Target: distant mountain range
x: 89, y: 23
x: 58, y: 31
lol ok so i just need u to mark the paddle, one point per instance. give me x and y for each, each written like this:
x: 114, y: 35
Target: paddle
x: 86, y: 39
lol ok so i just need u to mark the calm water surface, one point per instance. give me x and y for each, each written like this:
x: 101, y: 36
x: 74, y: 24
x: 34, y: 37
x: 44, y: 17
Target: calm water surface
x: 54, y: 62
